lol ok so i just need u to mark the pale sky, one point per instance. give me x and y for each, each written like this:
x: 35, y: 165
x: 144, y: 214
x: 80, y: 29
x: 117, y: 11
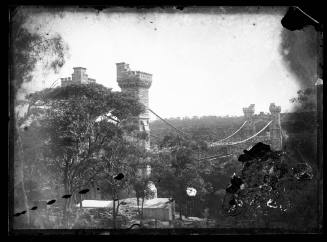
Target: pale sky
x: 201, y: 64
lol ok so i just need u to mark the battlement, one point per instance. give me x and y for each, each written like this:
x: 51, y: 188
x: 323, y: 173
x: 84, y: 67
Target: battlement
x: 66, y: 79
x: 274, y: 109
x: 249, y: 111
x: 79, y: 76
x: 127, y: 78
x: 91, y: 80
x: 137, y: 84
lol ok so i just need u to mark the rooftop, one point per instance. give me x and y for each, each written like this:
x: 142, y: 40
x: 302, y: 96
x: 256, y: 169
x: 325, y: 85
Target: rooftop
x: 152, y: 203
x: 79, y: 68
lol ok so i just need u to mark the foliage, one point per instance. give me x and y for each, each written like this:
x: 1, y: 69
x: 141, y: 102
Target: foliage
x: 203, y: 129
x: 28, y: 49
x: 82, y: 132
x: 306, y: 100
x: 118, y: 157
x: 301, y: 126
x: 178, y: 169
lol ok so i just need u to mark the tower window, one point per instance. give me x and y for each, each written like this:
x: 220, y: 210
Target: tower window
x: 145, y: 126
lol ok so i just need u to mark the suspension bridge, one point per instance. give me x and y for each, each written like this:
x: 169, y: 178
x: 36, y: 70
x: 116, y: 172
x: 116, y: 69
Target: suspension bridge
x: 228, y: 147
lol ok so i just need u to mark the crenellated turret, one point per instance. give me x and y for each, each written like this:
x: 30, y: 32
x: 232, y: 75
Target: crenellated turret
x: 275, y: 127
x: 79, y: 76
x: 136, y: 83
x: 249, y: 128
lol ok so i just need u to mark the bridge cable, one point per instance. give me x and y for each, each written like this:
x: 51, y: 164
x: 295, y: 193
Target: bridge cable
x: 215, y: 156
x: 232, y: 133
x: 210, y: 157
x: 166, y: 122
x: 242, y: 141
x: 215, y: 143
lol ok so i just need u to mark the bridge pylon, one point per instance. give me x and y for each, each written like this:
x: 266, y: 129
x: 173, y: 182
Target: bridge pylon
x: 249, y: 128
x: 275, y: 127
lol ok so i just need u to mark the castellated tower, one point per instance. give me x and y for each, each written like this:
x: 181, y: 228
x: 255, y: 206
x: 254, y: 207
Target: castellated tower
x: 249, y: 128
x: 275, y: 127
x: 79, y: 76
x: 136, y: 83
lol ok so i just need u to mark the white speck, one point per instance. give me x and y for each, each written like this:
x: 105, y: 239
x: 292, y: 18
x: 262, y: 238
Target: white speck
x: 269, y: 204
x: 191, y: 191
x: 319, y: 82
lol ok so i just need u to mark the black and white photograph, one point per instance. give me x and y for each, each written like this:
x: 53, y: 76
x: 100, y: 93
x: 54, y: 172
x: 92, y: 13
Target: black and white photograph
x: 147, y: 120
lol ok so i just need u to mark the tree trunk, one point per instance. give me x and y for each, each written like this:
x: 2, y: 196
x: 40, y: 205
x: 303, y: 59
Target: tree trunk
x: 138, y: 205
x: 142, y: 211
x: 21, y: 159
x: 25, y: 197
x: 69, y: 204
x: 173, y: 210
x: 65, y: 216
x: 66, y: 191
x: 117, y: 210
x: 188, y: 208
x: 114, y: 213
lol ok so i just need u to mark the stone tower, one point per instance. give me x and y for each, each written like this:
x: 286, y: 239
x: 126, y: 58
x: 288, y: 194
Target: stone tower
x: 136, y: 83
x: 275, y: 127
x: 79, y: 76
x: 249, y: 128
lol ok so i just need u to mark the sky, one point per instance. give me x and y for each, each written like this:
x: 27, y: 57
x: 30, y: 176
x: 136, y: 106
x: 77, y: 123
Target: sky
x: 202, y: 64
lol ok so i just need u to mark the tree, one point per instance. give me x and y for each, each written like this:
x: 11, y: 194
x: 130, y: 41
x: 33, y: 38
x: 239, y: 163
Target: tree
x: 301, y: 126
x: 142, y: 182
x: 28, y: 49
x: 176, y: 168
x: 80, y: 125
x: 37, y: 176
x: 217, y: 174
x: 306, y: 100
x: 117, y: 172
x: 140, y: 187
x: 206, y: 128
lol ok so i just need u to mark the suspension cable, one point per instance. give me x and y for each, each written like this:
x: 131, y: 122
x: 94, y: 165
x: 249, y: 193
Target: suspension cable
x: 232, y: 133
x: 166, y: 122
x: 215, y: 156
x: 242, y: 141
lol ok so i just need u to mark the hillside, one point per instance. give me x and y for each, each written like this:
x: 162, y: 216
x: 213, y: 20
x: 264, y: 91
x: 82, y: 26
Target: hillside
x: 211, y: 128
